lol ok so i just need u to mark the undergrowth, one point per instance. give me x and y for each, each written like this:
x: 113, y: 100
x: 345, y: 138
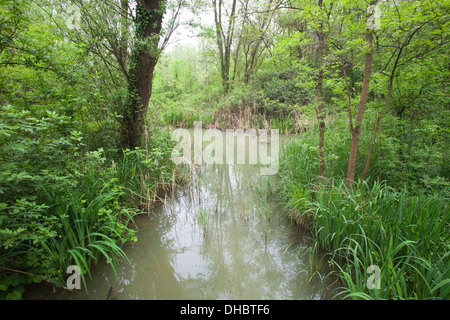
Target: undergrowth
x: 63, y: 205
x: 400, y: 233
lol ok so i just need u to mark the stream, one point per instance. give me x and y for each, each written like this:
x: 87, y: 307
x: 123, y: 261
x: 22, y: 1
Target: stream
x: 219, y: 237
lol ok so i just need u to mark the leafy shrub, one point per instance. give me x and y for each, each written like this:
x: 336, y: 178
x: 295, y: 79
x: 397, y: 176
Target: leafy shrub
x: 59, y: 205
x: 282, y: 86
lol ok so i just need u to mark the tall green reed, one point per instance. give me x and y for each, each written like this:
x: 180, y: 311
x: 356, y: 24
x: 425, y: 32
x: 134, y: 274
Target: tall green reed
x: 92, y: 223
x: 405, y: 235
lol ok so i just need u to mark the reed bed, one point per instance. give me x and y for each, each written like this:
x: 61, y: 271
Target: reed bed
x: 406, y: 237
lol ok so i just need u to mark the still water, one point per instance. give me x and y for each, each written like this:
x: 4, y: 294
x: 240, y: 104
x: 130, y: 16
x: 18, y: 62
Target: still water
x: 220, y: 237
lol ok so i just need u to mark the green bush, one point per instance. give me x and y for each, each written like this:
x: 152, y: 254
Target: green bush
x: 282, y: 86
x: 59, y: 204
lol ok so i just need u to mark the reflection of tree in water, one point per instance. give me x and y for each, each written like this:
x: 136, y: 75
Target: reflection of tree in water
x: 160, y: 276
x: 151, y: 274
x: 239, y: 263
x: 239, y: 256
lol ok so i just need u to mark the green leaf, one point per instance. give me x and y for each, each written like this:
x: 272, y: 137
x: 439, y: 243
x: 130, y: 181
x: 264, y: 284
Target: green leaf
x: 37, y: 279
x: 15, y: 295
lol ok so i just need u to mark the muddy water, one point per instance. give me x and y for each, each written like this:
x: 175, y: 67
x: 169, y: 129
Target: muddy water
x: 217, y: 238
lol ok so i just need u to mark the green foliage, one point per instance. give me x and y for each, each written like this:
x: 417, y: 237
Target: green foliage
x: 34, y: 153
x: 59, y: 206
x: 13, y: 286
x: 186, y: 119
x: 284, y: 86
x: 88, y: 228
x: 68, y: 197
x: 403, y: 231
x: 12, y: 20
x: 146, y: 173
x: 405, y: 236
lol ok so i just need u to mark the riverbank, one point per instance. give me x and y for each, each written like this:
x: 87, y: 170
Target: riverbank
x: 63, y: 205
x: 384, y: 243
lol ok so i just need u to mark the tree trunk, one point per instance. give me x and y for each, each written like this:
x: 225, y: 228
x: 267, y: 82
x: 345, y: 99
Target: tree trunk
x: 377, y: 124
x: 123, y: 56
x: 265, y: 24
x: 320, y: 114
x: 362, y: 106
x: 224, y: 41
x: 388, y: 98
x: 144, y: 57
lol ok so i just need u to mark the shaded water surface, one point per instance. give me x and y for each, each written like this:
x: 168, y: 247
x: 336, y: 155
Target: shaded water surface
x: 217, y: 238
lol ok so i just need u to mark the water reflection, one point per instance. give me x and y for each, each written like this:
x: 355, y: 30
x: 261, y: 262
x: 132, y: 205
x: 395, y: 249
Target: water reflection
x: 217, y: 239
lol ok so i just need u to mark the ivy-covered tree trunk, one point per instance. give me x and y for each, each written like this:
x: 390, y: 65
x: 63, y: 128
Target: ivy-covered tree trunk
x: 145, y: 54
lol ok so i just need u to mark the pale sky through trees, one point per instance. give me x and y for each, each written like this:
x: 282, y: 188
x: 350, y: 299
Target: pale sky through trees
x: 186, y: 34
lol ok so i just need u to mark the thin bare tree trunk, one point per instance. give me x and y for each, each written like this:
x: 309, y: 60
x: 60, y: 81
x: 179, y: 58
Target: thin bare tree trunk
x: 124, y: 30
x: 388, y: 98
x: 356, y: 133
x: 377, y: 124
x: 320, y: 112
x: 224, y: 41
x: 267, y: 18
